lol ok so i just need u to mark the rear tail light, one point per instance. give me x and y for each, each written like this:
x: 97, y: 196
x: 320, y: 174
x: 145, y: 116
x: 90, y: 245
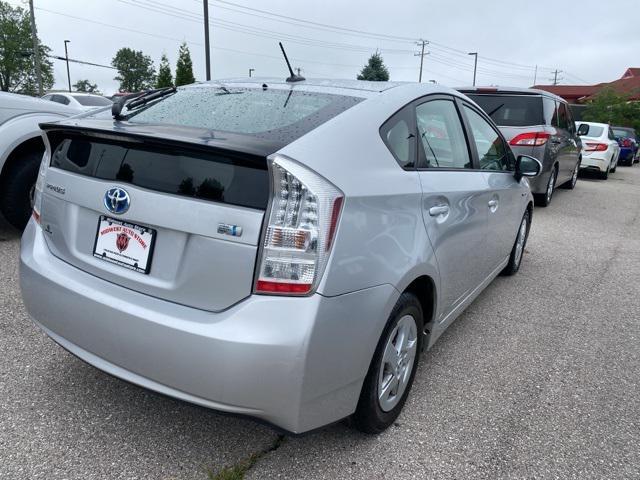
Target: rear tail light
x: 530, y: 139
x: 37, y: 191
x: 301, y: 225
x: 595, y: 147
x: 626, y: 142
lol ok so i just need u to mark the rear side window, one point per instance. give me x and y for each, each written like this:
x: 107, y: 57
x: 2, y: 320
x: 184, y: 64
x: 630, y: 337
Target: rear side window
x: 511, y: 110
x: 441, y: 135
x: 550, y: 111
x: 563, y: 118
x: 60, y: 99
x: 282, y: 114
x: 238, y: 180
x: 397, y: 136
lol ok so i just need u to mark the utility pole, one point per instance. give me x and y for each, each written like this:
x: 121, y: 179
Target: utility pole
x: 555, y: 76
x: 36, y: 50
x: 422, y: 53
x: 298, y: 69
x: 206, y: 39
x: 66, y: 56
x: 251, y: 70
x: 535, y: 75
x: 475, y: 66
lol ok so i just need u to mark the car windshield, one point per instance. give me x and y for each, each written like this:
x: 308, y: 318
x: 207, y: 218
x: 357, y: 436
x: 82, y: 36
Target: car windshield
x: 511, y: 110
x: 262, y: 112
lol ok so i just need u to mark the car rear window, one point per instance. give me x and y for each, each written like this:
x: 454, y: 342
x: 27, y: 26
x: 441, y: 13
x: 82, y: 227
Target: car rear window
x: 623, y: 133
x: 224, y: 177
x: 590, y: 130
x: 92, y: 100
x: 270, y: 113
x: 511, y: 110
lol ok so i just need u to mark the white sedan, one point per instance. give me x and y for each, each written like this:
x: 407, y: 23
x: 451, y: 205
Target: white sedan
x: 83, y: 101
x: 600, y: 149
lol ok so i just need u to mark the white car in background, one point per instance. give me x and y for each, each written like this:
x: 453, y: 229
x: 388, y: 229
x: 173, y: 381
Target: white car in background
x: 83, y: 101
x: 600, y: 149
x: 21, y: 150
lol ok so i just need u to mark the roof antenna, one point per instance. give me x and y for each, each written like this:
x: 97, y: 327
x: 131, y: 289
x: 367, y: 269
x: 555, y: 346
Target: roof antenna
x: 293, y: 77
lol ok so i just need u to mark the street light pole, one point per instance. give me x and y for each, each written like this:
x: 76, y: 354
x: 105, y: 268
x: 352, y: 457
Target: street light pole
x: 36, y: 50
x: 66, y: 56
x: 475, y: 66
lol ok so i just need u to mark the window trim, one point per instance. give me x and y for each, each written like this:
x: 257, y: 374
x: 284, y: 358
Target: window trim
x: 474, y: 147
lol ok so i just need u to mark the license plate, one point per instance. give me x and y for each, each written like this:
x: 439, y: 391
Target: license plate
x: 125, y: 244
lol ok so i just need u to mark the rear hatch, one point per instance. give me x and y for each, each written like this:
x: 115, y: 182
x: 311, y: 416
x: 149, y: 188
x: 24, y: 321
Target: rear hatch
x: 189, y: 201
x: 516, y: 115
x: 170, y: 201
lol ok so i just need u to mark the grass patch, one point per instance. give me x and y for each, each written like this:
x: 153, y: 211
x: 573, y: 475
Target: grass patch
x: 238, y: 471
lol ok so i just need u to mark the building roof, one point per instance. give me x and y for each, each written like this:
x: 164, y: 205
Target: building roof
x: 631, y: 72
x: 570, y: 92
x: 628, y: 85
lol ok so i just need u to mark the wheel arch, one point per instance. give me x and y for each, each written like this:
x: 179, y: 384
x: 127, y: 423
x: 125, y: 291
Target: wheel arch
x: 32, y: 144
x: 424, y: 288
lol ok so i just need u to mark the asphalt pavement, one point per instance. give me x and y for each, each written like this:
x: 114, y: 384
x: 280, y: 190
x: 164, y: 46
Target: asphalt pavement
x: 539, y: 378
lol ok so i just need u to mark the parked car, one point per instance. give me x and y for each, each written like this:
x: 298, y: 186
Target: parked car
x: 80, y: 100
x: 21, y: 149
x: 283, y: 251
x: 539, y: 124
x: 600, y: 149
x: 628, y: 141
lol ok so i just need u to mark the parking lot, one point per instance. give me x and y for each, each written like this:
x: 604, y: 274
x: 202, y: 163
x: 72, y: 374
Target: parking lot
x: 539, y: 378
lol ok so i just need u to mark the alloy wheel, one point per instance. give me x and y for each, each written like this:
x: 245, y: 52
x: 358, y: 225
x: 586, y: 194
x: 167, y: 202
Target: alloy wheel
x: 398, y: 361
x: 550, y: 185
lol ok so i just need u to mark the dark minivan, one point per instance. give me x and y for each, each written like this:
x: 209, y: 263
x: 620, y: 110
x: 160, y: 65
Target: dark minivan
x: 539, y: 124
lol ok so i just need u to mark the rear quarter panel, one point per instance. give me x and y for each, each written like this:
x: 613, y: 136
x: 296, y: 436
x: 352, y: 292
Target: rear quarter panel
x: 381, y: 238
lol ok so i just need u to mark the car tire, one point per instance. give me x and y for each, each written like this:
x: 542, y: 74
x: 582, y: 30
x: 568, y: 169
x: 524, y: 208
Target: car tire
x: 16, y: 190
x: 544, y: 199
x: 605, y: 175
x: 375, y: 412
x: 517, y: 252
x: 571, y: 184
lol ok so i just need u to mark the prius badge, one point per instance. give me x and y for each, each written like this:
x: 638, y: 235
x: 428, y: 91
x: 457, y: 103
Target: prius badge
x: 117, y: 200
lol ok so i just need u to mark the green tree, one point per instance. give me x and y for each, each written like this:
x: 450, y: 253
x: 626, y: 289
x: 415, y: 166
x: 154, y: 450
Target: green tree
x: 608, y: 106
x: 135, y: 70
x: 164, y: 73
x: 375, y: 69
x: 184, y: 66
x: 86, y: 86
x: 17, y: 62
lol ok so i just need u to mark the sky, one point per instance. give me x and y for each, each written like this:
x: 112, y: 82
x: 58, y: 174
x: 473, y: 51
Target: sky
x: 587, y: 41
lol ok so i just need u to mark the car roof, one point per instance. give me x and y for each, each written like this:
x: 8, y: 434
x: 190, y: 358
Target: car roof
x: 338, y: 84
x: 508, y: 90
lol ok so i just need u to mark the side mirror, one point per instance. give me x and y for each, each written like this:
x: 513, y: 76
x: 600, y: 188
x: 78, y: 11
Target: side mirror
x: 527, y: 166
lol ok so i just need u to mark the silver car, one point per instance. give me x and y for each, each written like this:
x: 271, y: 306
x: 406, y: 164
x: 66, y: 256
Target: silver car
x: 283, y: 251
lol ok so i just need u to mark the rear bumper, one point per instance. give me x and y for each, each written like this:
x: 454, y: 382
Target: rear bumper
x: 594, y: 162
x: 297, y: 363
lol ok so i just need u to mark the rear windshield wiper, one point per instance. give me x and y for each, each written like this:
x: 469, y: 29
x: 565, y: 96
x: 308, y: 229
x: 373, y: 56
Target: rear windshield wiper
x: 140, y: 101
x: 496, y: 109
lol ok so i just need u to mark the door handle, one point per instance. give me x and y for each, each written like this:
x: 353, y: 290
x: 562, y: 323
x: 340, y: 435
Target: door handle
x: 492, y: 203
x: 439, y: 210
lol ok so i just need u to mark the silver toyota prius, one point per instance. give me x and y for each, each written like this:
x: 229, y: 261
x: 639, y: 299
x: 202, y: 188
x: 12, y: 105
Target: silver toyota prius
x: 272, y: 249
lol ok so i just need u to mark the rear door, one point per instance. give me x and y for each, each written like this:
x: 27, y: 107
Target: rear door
x: 504, y: 202
x: 454, y: 199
